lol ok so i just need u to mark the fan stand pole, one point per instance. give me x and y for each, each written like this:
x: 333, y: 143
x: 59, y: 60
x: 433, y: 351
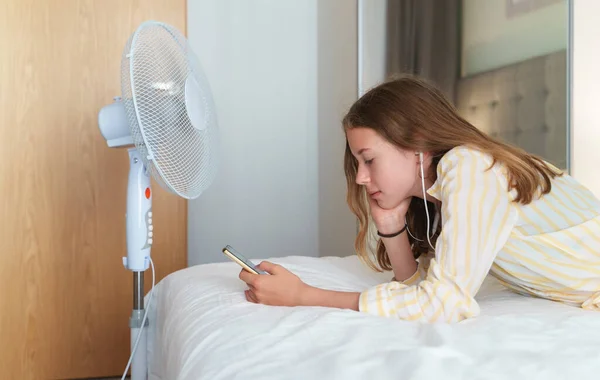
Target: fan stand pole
x: 139, y: 363
x: 139, y: 241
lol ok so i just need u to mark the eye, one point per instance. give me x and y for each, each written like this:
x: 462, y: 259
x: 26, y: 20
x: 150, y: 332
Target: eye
x: 368, y: 162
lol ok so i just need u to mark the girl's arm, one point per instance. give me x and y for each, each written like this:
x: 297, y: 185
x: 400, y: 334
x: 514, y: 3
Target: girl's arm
x: 401, y: 257
x: 398, y: 248
x: 330, y: 298
x: 404, y: 266
x: 283, y: 288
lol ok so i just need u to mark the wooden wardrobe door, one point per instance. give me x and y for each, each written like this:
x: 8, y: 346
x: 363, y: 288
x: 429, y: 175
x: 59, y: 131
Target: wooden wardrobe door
x: 65, y: 297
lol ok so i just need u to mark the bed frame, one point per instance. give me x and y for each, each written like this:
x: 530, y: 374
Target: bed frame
x: 524, y: 104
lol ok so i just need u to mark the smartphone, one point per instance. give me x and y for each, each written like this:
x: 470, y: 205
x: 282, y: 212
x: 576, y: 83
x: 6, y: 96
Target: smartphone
x: 241, y: 260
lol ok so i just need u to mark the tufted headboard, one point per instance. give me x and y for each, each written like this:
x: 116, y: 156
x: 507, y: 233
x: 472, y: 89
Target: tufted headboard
x: 524, y: 104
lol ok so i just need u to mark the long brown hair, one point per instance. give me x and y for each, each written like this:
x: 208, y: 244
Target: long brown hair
x: 414, y: 115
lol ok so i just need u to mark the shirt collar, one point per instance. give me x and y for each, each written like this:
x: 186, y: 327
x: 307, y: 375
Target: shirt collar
x: 435, y: 189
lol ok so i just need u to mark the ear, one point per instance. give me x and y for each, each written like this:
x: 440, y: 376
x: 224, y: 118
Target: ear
x: 422, y: 156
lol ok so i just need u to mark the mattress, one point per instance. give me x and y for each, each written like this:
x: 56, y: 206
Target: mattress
x: 201, y: 327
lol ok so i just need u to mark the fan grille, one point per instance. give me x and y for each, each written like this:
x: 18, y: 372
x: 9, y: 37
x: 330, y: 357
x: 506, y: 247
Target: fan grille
x: 157, y: 65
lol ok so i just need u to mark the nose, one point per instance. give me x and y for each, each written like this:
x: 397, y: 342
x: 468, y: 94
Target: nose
x: 362, y: 176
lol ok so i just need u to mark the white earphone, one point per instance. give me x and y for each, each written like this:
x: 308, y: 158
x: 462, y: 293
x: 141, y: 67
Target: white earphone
x: 420, y: 154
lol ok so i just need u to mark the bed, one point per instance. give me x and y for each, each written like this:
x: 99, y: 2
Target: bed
x: 203, y: 328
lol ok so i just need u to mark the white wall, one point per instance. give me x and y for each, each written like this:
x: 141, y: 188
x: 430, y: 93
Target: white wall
x: 281, y: 73
x: 337, y: 86
x: 491, y: 39
x: 371, y: 45
x: 585, y: 92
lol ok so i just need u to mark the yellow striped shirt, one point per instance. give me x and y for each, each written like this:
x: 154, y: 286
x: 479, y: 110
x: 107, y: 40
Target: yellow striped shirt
x: 549, y: 248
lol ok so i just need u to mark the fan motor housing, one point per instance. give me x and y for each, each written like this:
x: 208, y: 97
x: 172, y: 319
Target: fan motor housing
x: 114, y: 125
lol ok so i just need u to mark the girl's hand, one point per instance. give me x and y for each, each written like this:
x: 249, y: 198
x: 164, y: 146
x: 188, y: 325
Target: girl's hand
x: 279, y: 288
x: 389, y: 221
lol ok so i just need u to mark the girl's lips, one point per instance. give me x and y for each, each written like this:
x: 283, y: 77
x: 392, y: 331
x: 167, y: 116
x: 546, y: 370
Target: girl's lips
x: 375, y: 194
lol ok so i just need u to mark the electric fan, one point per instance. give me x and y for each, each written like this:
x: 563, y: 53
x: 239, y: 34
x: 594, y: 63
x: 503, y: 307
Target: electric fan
x: 165, y: 117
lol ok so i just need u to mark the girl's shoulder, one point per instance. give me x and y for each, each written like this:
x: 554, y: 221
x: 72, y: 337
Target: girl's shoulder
x: 463, y: 154
x: 472, y: 163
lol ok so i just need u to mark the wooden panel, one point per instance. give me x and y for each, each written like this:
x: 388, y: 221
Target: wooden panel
x: 65, y: 297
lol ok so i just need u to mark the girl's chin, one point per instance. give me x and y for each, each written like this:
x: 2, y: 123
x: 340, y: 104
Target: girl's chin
x: 385, y: 205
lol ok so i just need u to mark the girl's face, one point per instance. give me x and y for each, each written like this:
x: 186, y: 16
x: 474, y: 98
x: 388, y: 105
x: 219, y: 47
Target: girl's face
x: 389, y: 173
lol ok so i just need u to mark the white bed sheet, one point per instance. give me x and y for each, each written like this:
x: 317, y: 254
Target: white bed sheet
x: 201, y: 327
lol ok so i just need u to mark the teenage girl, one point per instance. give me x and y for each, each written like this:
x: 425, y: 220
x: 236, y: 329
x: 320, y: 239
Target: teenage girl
x: 449, y: 204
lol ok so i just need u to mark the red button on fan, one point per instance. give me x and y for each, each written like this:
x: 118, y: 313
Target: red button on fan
x: 147, y: 193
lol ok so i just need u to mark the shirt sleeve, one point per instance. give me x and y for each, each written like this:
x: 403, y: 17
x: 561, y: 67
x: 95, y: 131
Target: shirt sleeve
x: 421, y: 272
x: 477, y: 218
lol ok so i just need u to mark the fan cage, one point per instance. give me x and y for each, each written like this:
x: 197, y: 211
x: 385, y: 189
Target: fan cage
x: 156, y: 62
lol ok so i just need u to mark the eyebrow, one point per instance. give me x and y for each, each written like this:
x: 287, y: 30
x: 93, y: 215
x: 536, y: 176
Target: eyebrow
x: 361, y: 151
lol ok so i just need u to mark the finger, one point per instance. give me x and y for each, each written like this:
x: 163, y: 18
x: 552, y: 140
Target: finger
x: 270, y: 267
x: 247, y: 277
x: 251, y: 296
